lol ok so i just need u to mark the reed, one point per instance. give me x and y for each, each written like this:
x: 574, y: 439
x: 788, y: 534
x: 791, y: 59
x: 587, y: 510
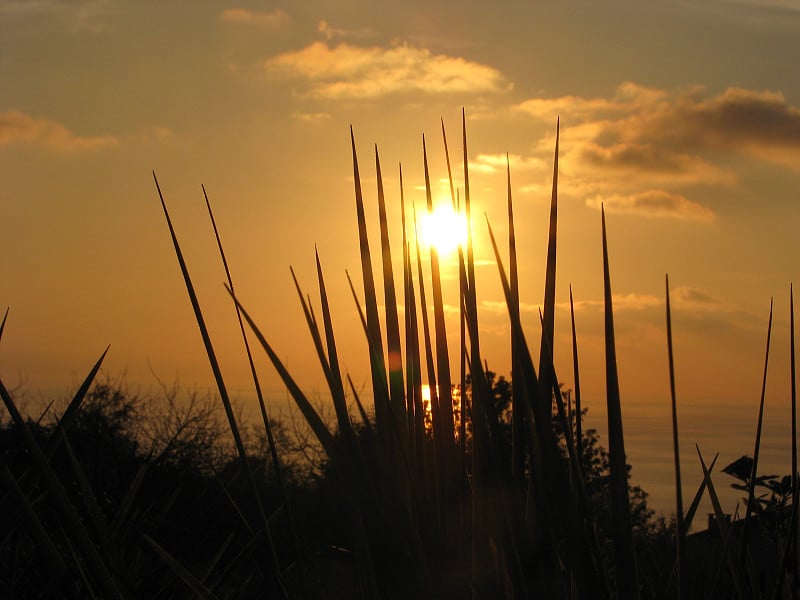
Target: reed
x: 450, y: 505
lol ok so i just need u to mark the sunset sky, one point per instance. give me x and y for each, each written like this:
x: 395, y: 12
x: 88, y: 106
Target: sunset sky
x: 683, y: 118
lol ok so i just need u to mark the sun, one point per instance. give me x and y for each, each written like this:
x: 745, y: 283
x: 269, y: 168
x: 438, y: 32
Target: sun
x: 443, y: 229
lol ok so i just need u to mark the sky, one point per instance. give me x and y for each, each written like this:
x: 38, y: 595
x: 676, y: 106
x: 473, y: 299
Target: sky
x: 682, y: 119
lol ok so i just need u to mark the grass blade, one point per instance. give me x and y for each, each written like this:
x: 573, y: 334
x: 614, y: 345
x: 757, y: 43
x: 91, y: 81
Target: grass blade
x: 68, y: 516
x: 795, y: 558
x: 579, y: 497
x: 440, y: 329
x: 377, y: 364
x: 493, y: 516
x: 259, y: 393
x: 383, y: 397
x: 695, y: 504
x: 223, y: 392
x: 314, y: 421
x: 416, y: 411
x: 785, y: 554
x: 624, y: 552
x: 128, y: 499
x: 553, y: 505
x: 204, y: 332
x: 193, y: 584
x: 549, y: 292
x: 334, y: 379
x: 576, y: 375
x: 436, y: 415
x: 793, y: 371
x: 47, y: 549
x: 337, y: 387
x: 361, y: 411
x: 679, y: 540
x: 463, y: 291
x: 471, y: 301
x: 72, y: 409
x: 517, y: 411
x: 753, y: 473
x: 3, y: 323
x: 396, y: 386
x: 722, y: 522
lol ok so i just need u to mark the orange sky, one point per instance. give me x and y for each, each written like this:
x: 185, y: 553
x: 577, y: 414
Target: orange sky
x: 683, y: 119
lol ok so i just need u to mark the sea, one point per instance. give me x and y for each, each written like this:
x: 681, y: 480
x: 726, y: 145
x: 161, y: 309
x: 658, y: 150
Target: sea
x: 726, y: 428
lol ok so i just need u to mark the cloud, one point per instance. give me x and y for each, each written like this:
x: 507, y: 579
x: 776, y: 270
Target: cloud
x: 650, y: 151
x: 631, y: 301
x: 19, y: 128
x: 653, y: 203
x: 317, y: 117
x: 156, y: 134
x: 703, y: 314
x: 663, y: 130
x: 695, y: 297
x: 76, y: 16
x: 575, y: 107
x: 657, y: 161
x: 269, y: 20
x: 500, y: 307
x: 330, y: 33
x: 345, y: 71
x: 762, y: 123
x: 490, y: 163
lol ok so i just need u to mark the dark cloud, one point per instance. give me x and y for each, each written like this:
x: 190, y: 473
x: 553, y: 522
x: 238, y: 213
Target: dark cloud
x: 736, y: 119
x: 667, y: 131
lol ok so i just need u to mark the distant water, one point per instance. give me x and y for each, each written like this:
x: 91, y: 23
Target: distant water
x: 727, y: 428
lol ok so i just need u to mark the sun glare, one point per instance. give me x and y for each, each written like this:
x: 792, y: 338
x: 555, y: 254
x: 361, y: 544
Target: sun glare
x: 444, y: 229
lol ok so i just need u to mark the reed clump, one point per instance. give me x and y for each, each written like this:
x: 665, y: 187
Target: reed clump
x: 497, y: 490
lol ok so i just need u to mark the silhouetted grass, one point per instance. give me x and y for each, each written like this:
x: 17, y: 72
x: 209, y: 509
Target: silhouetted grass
x: 462, y: 503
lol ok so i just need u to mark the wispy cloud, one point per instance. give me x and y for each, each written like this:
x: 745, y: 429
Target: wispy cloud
x: 20, y: 128
x: 631, y: 301
x: 329, y: 32
x: 491, y: 163
x: 653, y: 203
x: 704, y: 314
x: 76, y: 16
x: 269, y: 20
x: 687, y: 299
x: 695, y: 297
x: 345, y: 71
x: 316, y: 117
x: 621, y: 302
x: 155, y: 134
